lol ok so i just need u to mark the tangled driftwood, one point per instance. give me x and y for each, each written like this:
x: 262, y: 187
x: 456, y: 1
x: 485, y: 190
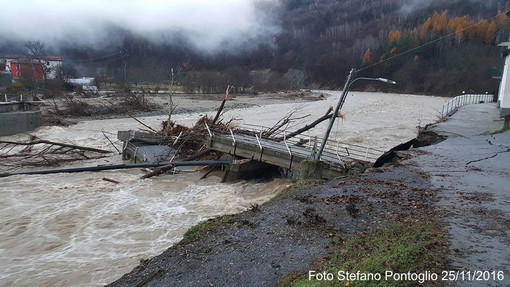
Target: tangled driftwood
x: 40, y: 152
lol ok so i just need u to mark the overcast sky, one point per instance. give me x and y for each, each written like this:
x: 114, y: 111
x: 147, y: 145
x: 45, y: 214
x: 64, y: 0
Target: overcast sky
x: 208, y: 24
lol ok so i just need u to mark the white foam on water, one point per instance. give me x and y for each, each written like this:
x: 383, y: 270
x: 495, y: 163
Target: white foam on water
x: 64, y: 228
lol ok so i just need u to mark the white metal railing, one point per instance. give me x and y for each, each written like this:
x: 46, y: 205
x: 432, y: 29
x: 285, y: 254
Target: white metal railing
x: 233, y: 138
x: 451, y: 106
x: 179, y: 136
x: 334, y: 147
x: 258, y: 141
x: 16, y: 98
x: 286, y: 144
x: 343, y: 149
x: 208, y: 130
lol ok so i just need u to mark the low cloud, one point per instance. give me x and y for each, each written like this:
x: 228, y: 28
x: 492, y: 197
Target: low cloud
x: 412, y: 5
x: 409, y: 6
x: 207, y: 25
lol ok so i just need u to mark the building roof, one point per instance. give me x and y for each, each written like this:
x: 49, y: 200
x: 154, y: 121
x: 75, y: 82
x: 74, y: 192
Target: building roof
x: 52, y: 58
x: 25, y: 56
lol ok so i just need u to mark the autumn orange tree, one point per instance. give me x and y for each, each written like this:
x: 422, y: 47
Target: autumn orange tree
x: 483, y: 31
x: 439, y: 23
x: 394, y: 36
x: 367, y: 57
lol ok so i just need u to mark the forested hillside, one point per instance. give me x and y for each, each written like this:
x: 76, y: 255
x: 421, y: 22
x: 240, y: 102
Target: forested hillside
x: 439, y: 47
x: 369, y: 33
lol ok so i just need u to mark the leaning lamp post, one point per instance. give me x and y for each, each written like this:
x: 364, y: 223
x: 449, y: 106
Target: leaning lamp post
x: 350, y: 80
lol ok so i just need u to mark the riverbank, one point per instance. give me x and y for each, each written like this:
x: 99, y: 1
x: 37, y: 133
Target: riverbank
x: 75, y: 108
x: 320, y: 227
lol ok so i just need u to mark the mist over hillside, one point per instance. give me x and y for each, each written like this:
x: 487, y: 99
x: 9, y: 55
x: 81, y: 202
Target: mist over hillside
x: 269, y: 44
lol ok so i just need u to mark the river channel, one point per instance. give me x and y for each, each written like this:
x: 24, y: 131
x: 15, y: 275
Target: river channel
x: 79, y: 230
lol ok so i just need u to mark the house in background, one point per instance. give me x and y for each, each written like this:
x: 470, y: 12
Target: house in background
x: 32, y: 68
x: 5, y: 76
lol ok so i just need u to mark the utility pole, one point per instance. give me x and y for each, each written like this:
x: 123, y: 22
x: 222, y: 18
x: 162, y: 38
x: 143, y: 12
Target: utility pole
x: 170, y: 100
x: 348, y: 83
x: 125, y: 55
x: 341, y: 101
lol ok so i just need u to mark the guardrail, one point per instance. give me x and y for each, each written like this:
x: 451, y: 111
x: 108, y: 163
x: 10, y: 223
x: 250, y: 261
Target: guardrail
x: 16, y: 98
x: 451, y: 106
x: 334, y: 147
x: 353, y: 151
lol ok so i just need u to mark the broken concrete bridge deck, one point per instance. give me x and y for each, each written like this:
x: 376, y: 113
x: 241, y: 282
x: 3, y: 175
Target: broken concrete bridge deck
x: 277, y: 153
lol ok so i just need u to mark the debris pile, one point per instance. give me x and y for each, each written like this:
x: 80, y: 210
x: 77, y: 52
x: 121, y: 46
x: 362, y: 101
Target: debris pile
x: 39, y: 152
x: 81, y: 105
x: 190, y: 141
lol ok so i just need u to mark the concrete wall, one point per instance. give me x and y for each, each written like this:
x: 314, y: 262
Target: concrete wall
x: 504, y: 89
x: 11, y: 107
x: 18, y: 122
x: 6, y: 107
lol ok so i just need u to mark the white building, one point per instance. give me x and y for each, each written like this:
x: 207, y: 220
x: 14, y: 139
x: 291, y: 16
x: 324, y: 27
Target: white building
x: 53, y: 66
x: 503, y: 40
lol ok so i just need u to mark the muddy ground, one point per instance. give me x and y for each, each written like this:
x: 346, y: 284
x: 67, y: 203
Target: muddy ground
x: 287, y: 235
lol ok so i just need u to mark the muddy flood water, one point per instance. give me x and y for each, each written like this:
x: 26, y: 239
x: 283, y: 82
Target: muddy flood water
x: 79, y: 230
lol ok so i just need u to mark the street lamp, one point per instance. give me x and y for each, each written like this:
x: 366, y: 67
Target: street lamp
x: 350, y: 80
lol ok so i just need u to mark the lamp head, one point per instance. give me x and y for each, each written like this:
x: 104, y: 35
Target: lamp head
x: 387, y: 81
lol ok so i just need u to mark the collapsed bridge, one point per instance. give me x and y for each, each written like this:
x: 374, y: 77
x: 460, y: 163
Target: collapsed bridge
x: 293, y: 154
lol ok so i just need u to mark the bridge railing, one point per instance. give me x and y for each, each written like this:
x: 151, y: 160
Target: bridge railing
x: 451, y: 106
x: 334, y: 147
x: 337, y: 147
x: 343, y: 149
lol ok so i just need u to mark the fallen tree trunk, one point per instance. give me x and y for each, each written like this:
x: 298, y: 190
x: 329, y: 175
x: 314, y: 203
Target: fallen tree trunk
x: 211, y: 169
x: 158, y: 171
x: 198, y: 155
x: 218, y: 113
x: 327, y: 116
x: 122, y: 166
x: 140, y: 122
x: 110, y: 180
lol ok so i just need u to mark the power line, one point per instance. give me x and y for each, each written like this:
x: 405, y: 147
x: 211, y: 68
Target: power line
x: 116, y: 59
x: 99, y: 59
x: 426, y: 44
